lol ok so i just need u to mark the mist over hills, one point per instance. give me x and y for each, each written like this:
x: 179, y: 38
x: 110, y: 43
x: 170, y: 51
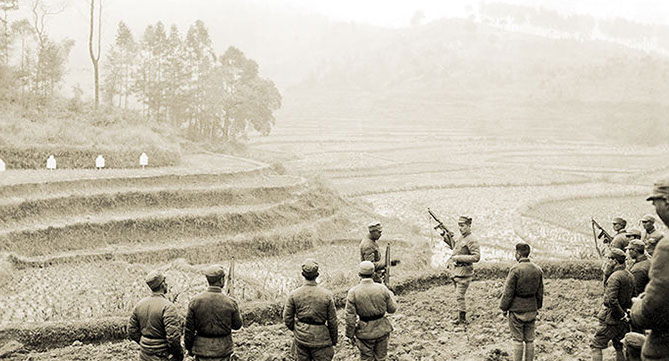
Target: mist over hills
x: 476, y: 68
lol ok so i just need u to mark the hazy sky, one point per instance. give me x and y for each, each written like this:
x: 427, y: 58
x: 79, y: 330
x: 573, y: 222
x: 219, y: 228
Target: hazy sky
x: 396, y: 13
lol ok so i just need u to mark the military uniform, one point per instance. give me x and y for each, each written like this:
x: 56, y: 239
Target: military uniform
x: 310, y: 313
x: 651, y: 240
x: 633, y: 343
x: 369, y: 251
x: 466, y: 252
x: 620, y: 240
x: 523, y: 296
x: 366, y: 307
x: 210, y: 320
x: 619, y: 288
x: 639, y: 266
x: 652, y: 311
x: 155, y: 324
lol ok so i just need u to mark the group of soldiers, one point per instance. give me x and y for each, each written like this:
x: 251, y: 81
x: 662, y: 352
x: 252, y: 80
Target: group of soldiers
x: 636, y: 298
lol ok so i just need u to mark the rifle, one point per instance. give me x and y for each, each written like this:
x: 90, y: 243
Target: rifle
x: 448, y: 235
x: 602, y: 234
x: 230, y: 286
x: 386, y: 274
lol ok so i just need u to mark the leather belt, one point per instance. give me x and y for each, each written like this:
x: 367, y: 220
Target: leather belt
x: 371, y: 318
x: 310, y: 321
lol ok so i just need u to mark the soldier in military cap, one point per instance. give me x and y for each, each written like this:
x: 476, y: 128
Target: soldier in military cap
x: 310, y: 313
x: 620, y: 238
x: 155, y: 323
x: 651, y: 235
x: 369, y: 250
x: 639, y: 266
x: 613, y: 325
x: 211, y: 317
x: 523, y: 296
x: 466, y: 252
x: 633, y: 342
x: 651, y: 311
x: 366, y: 323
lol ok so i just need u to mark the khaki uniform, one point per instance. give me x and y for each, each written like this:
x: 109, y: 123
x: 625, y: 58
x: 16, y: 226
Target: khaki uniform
x: 617, y: 299
x: 155, y: 324
x: 620, y: 240
x: 369, y: 251
x: 310, y: 313
x: 523, y: 296
x: 640, y: 268
x: 366, y: 306
x: 210, y: 320
x: 652, y: 311
x: 651, y: 239
x: 466, y: 252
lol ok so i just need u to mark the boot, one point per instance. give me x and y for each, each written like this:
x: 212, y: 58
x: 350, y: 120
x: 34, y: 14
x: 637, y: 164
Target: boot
x: 518, y: 351
x: 596, y: 354
x: 620, y: 356
x: 529, y: 351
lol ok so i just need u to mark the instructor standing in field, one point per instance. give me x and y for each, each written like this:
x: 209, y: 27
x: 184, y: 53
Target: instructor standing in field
x: 466, y: 252
x: 369, y: 250
x: 651, y: 310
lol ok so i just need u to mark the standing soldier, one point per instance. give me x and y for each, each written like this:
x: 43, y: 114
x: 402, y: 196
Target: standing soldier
x: 155, y: 323
x: 306, y: 313
x: 369, y: 250
x: 619, y: 288
x: 523, y: 296
x: 210, y: 320
x: 640, y: 265
x: 651, y: 235
x: 620, y: 238
x: 466, y: 251
x: 651, y: 311
x: 366, y: 307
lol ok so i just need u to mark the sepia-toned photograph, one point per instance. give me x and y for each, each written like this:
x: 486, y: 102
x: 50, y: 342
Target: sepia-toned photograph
x: 314, y: 180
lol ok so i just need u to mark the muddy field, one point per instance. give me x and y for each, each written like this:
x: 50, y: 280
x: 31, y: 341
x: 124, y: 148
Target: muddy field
x: 422, y: 330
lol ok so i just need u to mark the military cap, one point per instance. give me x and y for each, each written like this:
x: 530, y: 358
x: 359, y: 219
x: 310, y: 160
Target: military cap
x: 660, y: 190
x: 636, y: 244
x: 634, y: 340
x: 154, y: 279
x: 310, y: 267
x: 366, y: 268
x: 619, y: 220
x: 465, y: 219
x: 522, y: 247
x: 617, y: 254
x: 633, y: 232
x: 374, y: 226
x: 648, y: 218
x: 215, y: 271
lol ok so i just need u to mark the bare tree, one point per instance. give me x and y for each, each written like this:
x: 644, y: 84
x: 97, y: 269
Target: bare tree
x: 40, y: 13
x: 95, y: 59
x: 6, y: 6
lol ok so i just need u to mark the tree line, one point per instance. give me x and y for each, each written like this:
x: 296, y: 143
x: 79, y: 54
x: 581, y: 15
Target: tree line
x: 181, y: 81
x: 173, y: 79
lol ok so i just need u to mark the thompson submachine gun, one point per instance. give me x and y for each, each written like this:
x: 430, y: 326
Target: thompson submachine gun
x: 445, y: 232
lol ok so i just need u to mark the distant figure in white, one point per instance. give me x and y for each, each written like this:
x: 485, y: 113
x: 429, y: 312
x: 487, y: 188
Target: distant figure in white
x: 2, y: 165
x: 143, y: 160
x: 51, y: 163
x: 100, y: 162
